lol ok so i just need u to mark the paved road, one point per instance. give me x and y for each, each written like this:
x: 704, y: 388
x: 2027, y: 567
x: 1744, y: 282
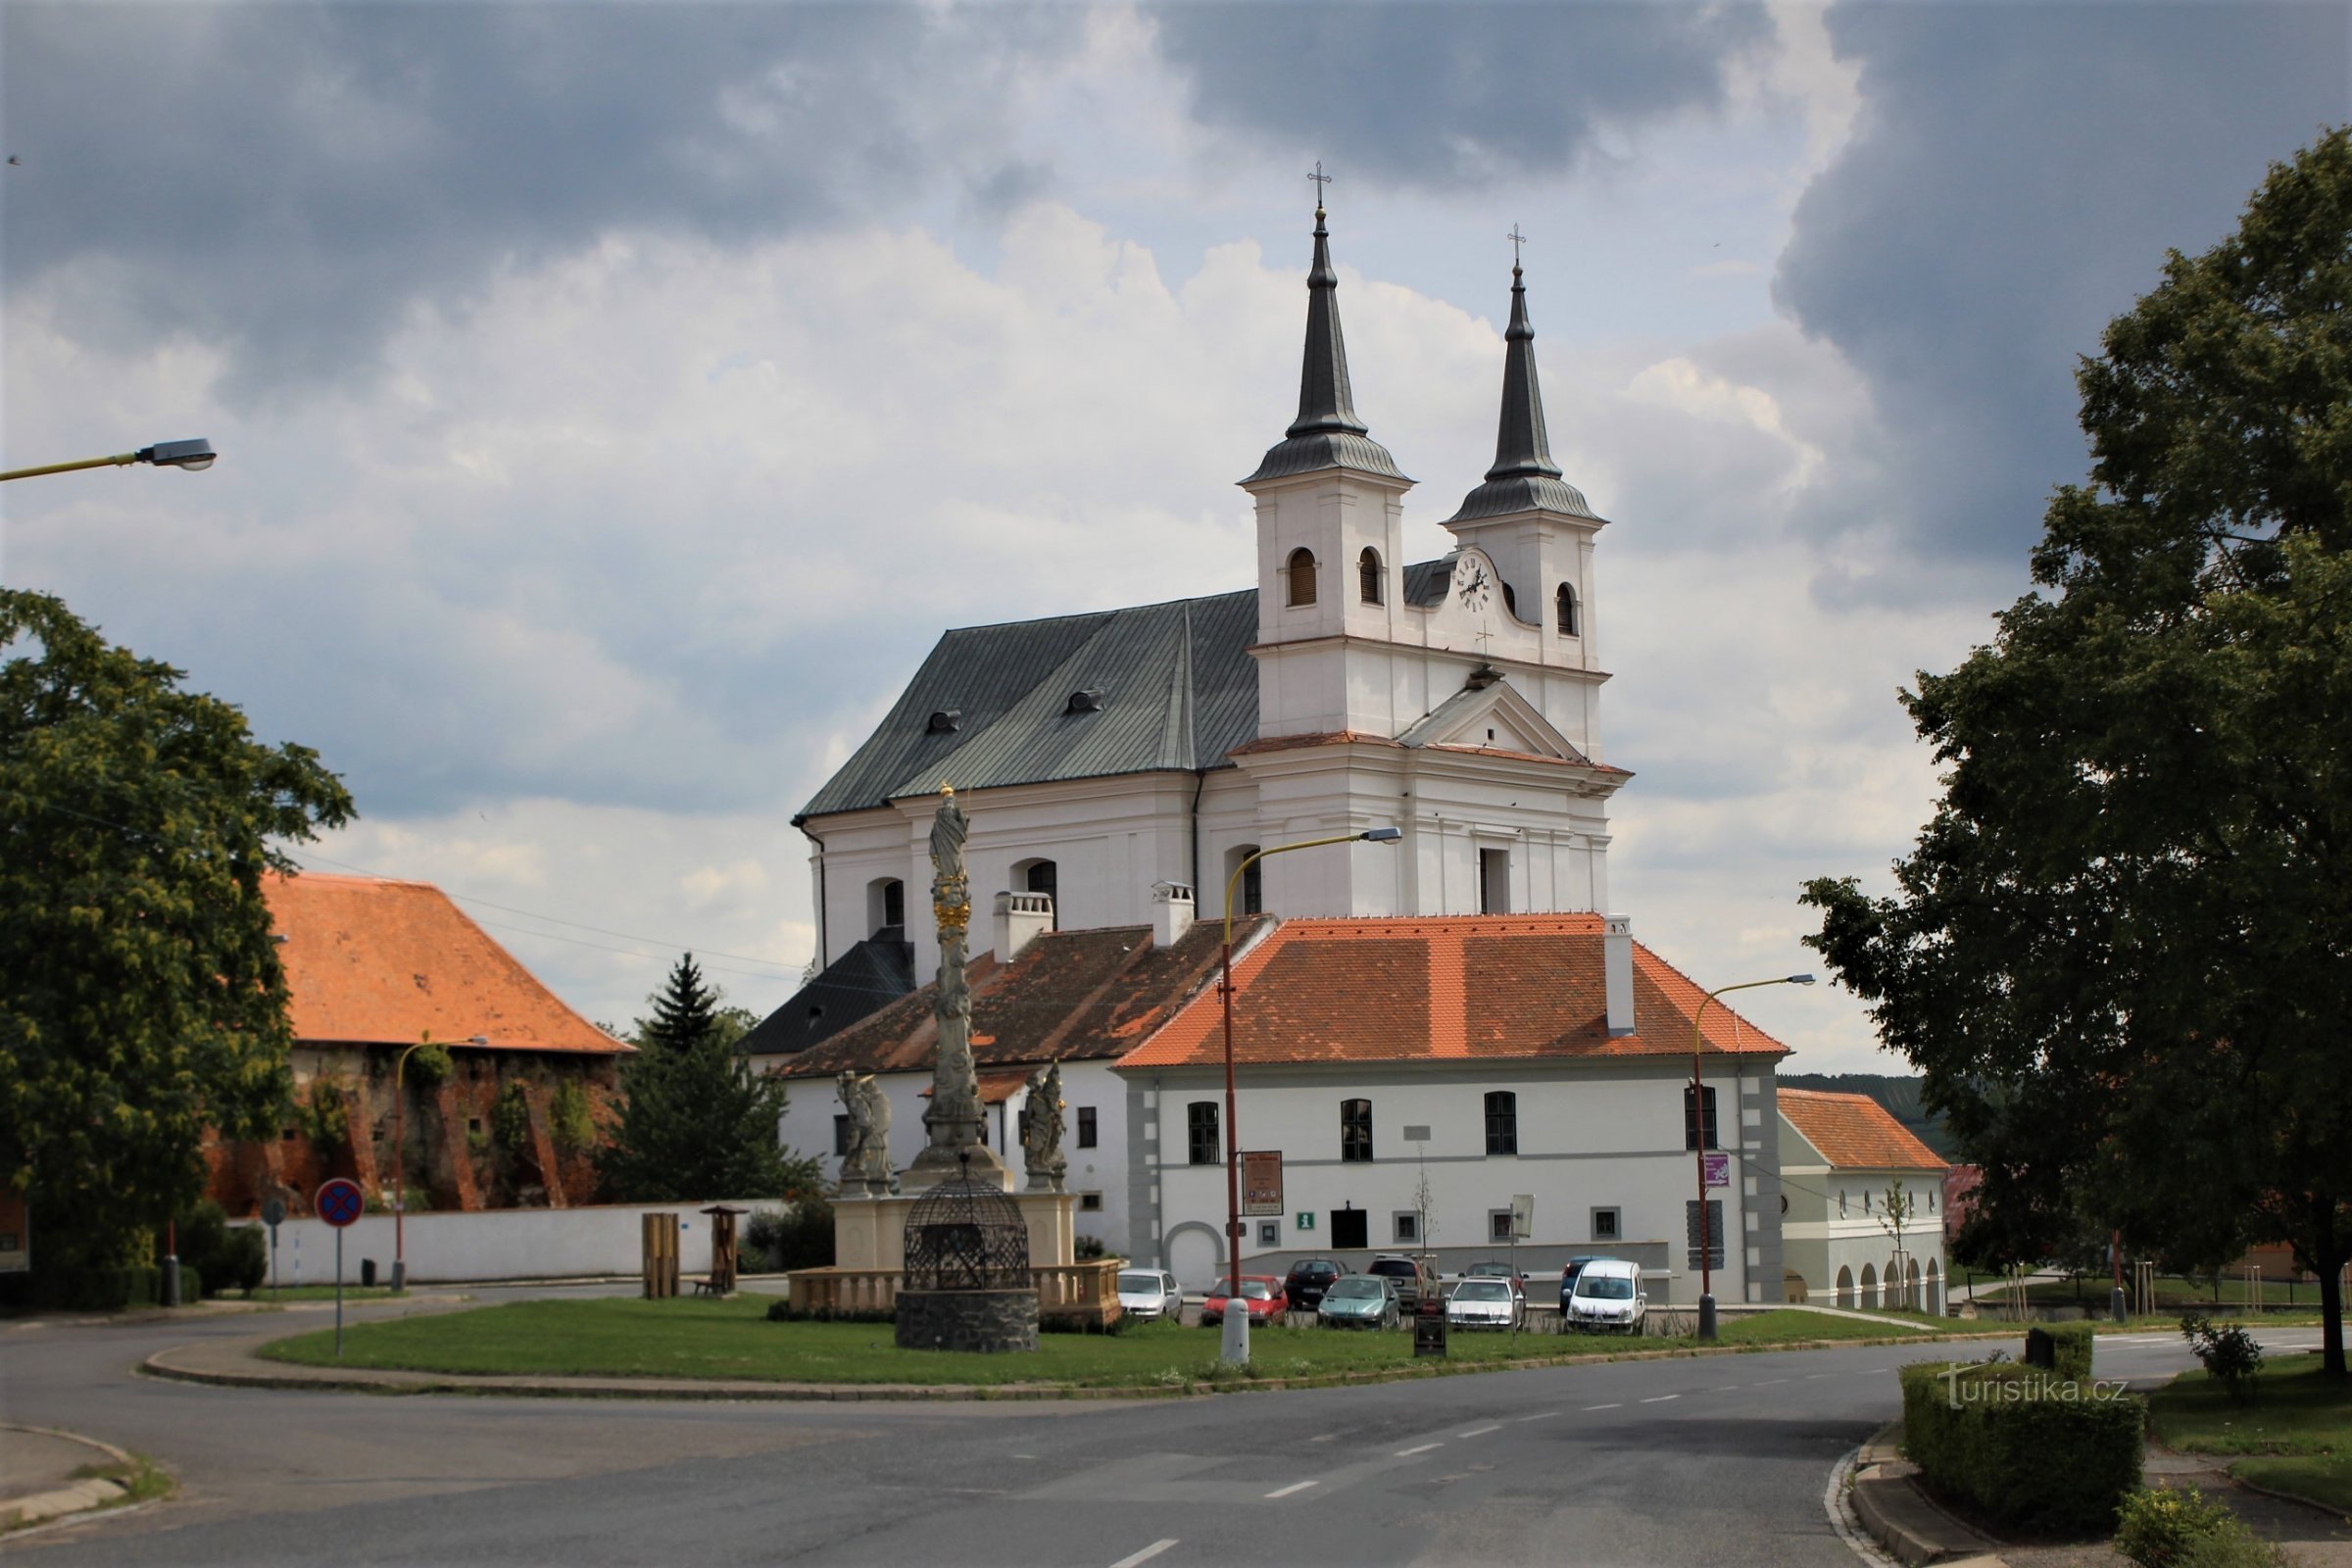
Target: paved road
x: 1692, y: 1461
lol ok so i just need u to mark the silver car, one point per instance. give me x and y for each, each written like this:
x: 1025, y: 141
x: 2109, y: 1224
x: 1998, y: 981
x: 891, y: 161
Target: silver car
x: 1360, y: 1302
x: 1146, y: 1293
x: 1484, y: 1303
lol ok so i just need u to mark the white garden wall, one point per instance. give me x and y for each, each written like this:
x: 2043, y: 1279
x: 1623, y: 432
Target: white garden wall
x: 504, y: 1243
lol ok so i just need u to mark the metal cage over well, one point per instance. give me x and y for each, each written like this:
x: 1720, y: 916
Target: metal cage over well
x: 965, y: 1235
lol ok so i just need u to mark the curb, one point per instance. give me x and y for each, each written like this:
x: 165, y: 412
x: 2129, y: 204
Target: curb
x: 2257, y: 1486
x: 79, y: 1497
x: 397, y: 1381
x: 1902, y: 1518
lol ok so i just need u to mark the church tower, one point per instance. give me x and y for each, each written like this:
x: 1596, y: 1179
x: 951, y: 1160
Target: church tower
x: 1330, y: 531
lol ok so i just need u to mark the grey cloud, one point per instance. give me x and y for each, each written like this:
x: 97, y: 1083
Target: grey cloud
x: 289, y: 179
x: 2013, y: 182
x: 1438, y: 94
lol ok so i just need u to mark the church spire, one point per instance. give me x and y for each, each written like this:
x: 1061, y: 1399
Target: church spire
x: 1524, y: 478
x: 1327, y: 434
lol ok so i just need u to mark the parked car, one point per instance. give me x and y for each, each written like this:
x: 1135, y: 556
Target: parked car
x: 1485, y: 1303
x: 1309, y: 1279
x: 1412, y: 1277
x: 1262, y: 1298
x: 1576, y: 1266
x: 1360, y: 1301
x: 1607, y: 1296
x: 1149, y: 1293
x: 1495, y: 1268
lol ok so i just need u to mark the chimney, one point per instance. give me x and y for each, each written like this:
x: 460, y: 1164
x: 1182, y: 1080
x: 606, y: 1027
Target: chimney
x: 1171, y: 913
x: 1617, y: 970
x: 1021, y: 918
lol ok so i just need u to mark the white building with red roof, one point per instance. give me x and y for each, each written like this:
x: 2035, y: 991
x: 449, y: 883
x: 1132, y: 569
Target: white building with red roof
x: 1486, y: 1056
x: 1864, y: 1226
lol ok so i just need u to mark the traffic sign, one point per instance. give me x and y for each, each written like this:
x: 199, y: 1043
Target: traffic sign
x: 273, y: 1212
x: 339, y: 1201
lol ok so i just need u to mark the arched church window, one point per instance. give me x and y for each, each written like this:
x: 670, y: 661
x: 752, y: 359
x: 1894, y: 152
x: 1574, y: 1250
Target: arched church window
x: 1367, y: 575
x: 885, y: 905
x: 1565, y: 598
x: 1302, y: 576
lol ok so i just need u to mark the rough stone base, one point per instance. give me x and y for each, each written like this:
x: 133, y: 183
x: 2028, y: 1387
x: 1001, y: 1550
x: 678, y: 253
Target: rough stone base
x: 967, y: 1320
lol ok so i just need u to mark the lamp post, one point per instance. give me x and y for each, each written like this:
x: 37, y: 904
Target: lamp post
x: 400, y: 1156
x: 1236, y: 1345
x: 193, y: 456
x: 1698, y: 1144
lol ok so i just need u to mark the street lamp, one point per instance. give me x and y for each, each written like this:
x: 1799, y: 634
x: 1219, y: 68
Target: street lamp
x: 1699, y: 1146
x: 400, y: 1155
x: 1236, y: 1346
x: 192, y: 455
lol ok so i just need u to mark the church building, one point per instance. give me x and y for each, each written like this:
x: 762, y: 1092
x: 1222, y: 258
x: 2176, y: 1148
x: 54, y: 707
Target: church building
x: 1433, y: 1021
x: 1101, y: 755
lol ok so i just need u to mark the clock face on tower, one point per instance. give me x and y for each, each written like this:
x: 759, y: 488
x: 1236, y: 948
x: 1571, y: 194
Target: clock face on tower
x: 1470, y: 581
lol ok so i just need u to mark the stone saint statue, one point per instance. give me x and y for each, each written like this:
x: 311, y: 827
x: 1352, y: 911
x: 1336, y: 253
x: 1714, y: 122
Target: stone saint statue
x: 865, y: 1168
x: 948, y: 829
x: 1041, y: 1130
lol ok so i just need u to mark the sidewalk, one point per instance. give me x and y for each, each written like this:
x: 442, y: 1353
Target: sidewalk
x: 37, y: 1480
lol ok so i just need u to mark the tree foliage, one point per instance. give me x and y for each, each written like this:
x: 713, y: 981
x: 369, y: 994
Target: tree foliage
x: 2122, y: 951
x: 141, y: 999
x: 696, y: 1123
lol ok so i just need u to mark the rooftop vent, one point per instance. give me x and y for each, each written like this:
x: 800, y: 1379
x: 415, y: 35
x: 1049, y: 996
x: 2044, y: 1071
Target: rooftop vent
x: 947, y: 722
x: 1087, y: 700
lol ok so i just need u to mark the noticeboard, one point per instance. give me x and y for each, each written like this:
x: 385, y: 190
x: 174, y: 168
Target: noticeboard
x: 1261, y: 1181
x: 1718, y: 1169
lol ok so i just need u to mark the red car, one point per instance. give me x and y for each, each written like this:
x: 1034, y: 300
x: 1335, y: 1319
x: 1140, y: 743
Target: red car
x: 1262, y: 1297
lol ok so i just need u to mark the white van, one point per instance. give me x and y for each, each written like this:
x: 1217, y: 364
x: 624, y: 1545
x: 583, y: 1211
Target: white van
x: 1608, y: 1295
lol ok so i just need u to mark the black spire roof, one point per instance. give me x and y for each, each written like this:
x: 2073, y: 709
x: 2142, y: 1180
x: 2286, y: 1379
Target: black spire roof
x: 1523, y: 477
x: 1327, y: 434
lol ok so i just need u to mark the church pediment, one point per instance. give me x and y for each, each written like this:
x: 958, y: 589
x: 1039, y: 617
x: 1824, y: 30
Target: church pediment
x: 1492, y: 717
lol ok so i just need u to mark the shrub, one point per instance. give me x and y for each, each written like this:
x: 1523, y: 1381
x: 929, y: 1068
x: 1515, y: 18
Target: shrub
x: 2179, y: 1526
x: 2072, y: 1348
x: 1086, y: 1248
x: 1080, y: 1323
x: 2232, y: 1358
x: 325, y: 1120
x: 572, y: 1118
x: 510, y: 1119
x: 84, y: 1288
x: 2025, y: 1447
x: 798, y: 1236
x: 427, y: 1065
x: 240, y: 1262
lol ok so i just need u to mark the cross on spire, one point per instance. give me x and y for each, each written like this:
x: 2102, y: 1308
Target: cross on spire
x: 1321, y: 180
x: 1516, y: 238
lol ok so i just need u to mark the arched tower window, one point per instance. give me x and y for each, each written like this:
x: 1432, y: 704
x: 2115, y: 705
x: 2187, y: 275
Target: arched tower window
x: 1565, y: 600
x: 885, y: 905
x: 1367, y: 575
x: 1302, y: 576
x: 1041, y: 877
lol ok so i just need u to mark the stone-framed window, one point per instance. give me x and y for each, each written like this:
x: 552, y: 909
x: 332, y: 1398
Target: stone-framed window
x: 1202, y: 1146
x: 1405, y: 1226
x: 1301, y: 571
x: 1564, y: 606
x: 1607, y: 1225
x: 1367, y: 575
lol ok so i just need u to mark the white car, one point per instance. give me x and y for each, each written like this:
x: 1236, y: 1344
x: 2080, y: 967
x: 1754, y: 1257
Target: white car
x: 1608, y: 1295
x: 1149, y: 1293
x: 1483, y: 1303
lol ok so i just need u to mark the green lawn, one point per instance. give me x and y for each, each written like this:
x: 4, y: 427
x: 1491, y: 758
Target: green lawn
x: 2175, y: 1292
x: 2296, y: 1432
x: 620, y: 1336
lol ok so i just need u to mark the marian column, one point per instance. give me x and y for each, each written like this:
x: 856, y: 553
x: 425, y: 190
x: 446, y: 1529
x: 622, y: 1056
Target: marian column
x: 954, y: 1120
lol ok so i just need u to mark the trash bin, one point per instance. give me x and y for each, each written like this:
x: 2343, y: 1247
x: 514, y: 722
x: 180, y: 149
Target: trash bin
x: 367, y: 1272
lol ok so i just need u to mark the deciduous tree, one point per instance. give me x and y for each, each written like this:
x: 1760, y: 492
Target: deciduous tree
x: 2122, y: 951
x: 142, y: 997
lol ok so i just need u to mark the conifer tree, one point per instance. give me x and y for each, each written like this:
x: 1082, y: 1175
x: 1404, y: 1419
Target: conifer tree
x: 696, y: 1123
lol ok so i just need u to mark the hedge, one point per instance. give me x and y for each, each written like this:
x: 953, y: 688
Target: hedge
x: 2028, y: 1448
x: 2072, y: 1348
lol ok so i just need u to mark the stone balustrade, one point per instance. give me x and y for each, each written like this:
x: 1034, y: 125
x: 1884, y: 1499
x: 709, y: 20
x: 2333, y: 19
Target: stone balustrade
x: 1085, y: 1290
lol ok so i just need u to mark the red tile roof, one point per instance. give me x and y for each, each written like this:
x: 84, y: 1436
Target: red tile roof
x: 1854, y: 1132
x: 1067, y: 995
x: 379, y: 962
x: 1462, y: 988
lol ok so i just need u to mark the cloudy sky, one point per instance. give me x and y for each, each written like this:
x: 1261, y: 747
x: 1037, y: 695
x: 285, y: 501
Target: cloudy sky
x: 617, y: 400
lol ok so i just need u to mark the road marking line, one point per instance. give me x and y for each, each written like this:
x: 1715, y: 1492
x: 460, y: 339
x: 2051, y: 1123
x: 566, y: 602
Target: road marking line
x: 1401, y: 1453
x: 1619, y: 1405
x: 1729, y: 1388
x: 1145, y: 1555
x: 1295, y: 1485
x: 1540, y: 1415
x: 1769, y: 1382
x: 1479, y: 1432
x: 1661, y: 1398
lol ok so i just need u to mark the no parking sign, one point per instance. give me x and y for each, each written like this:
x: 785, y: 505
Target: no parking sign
x: 339, y: 1203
